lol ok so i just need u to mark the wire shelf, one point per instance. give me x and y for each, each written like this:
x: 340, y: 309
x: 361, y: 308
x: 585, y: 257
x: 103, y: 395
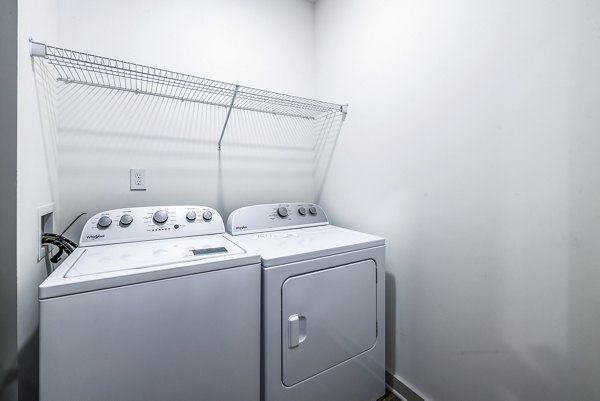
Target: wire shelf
x: 87, y: 69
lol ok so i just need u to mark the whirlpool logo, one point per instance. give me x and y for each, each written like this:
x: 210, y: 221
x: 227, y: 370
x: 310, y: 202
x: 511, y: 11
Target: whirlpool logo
x: 241, y: 227
x: 95, y: 236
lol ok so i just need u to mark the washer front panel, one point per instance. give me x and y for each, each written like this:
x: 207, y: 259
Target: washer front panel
x: 184, y: 338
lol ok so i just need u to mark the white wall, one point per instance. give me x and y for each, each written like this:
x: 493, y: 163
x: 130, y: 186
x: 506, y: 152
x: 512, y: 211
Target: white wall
x: 36, y: 170
x: 470, y: 140
x: 471, y: 145
x: 262, y: 43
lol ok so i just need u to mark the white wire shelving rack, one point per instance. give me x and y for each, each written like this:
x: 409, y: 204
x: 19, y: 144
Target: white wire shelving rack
x: 77, y: 67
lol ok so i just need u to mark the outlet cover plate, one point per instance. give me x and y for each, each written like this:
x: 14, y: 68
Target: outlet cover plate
x: 137, y: 179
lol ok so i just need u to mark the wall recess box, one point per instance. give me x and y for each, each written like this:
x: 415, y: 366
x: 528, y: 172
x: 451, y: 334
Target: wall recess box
x: 45, y: 222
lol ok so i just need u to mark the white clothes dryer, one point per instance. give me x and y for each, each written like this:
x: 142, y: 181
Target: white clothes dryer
x: 323, y: 304
x: 157, y: 303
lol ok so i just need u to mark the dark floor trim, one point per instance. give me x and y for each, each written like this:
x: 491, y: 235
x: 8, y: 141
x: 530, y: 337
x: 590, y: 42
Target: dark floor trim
x: 401, y: 388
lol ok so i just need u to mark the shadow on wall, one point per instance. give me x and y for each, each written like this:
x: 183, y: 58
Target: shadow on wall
x: 9, y: 383
x: 504, y: 372
x: 99, y: 134
x: 46, y: 99
x: 583, y: 237
x: 29, y: 370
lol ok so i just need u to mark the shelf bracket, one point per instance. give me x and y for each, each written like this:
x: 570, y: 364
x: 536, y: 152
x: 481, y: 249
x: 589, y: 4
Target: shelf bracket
x: 37, y: 49
x: 228, y: 114
x: 344, y: 110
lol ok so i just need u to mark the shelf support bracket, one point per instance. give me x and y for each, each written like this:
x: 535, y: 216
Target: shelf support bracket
x: 228, y: 114
x: 37, y: 49
x: 344, y: 110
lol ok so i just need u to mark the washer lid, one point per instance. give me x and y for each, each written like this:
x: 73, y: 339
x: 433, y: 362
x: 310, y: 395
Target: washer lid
x: 105, y: 266
x: 288, y: 246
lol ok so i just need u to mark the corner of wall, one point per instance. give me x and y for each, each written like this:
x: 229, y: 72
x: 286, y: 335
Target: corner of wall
x: 35, y: 20
x: 8, y: 200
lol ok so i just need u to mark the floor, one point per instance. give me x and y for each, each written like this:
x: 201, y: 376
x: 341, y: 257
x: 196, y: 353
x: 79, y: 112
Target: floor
x: 389, y: 397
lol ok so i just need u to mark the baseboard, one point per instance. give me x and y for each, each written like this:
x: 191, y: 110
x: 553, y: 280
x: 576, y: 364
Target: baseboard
x: 400, y: 389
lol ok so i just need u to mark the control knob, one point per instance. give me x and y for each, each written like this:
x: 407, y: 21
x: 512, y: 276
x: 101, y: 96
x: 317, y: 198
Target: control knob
x: 191, y: 216
x: 160, y: 217
x: 282, y: 211
x: 302, y: 211
x: 207, y: 215
x: 104, y: 222
x: 126, y: 220
x: 312, y: 210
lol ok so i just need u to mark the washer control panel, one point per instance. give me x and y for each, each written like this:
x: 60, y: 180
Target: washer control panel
x: 276, y: 216
x: 149, y: 223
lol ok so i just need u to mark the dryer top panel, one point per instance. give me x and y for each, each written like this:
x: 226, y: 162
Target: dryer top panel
x: 275, y: 216
x: 150, y: 223
x: 295, y: 245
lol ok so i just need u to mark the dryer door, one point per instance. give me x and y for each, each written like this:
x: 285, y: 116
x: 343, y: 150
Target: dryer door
x: 328, y: 317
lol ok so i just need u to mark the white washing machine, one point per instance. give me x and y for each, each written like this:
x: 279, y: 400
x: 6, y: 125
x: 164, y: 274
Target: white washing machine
x: 323, y: 305
x: 157, y: 303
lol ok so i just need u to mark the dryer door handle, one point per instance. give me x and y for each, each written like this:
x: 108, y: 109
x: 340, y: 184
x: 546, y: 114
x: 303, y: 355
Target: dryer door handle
x: 296, y: 330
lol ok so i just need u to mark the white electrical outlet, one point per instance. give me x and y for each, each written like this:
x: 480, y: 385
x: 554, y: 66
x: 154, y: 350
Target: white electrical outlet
x: 137, y: 179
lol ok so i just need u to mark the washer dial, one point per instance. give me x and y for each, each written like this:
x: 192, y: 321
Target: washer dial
x: 160, y: 217
x: 104, y: 222
x: 126, y: 220
x: 191, y: 216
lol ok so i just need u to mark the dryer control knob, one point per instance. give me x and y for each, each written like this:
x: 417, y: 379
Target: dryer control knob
x: 282, y: 211
x: 160, y: 217
x: 312, y: 210
x: 104, y: 222
x: 302, y: 211
x: 207, y: 215
x: 126, y: 220
x: 191, y: 216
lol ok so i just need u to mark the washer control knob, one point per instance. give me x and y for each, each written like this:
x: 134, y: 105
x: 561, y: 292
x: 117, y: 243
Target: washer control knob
x: 312, y: 210
x: 160, y: 217
x: 302, y: 211
x: 191, y: 216
x: 282, y: 211
x: 126, y: 220
x: 104, y: 222
x: 207, y: 215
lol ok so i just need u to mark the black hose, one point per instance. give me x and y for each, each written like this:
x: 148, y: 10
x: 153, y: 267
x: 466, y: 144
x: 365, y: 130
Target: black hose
x: 73, y: 244
x: 73, y: 222
x: 57, y: 243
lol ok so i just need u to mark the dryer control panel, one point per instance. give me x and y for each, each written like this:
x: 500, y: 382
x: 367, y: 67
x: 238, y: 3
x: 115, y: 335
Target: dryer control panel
x: 150, y: 223
x: 275, y: 216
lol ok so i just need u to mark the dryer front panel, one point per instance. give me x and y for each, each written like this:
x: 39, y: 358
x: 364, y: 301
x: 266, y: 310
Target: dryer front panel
x: 328, y: 317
